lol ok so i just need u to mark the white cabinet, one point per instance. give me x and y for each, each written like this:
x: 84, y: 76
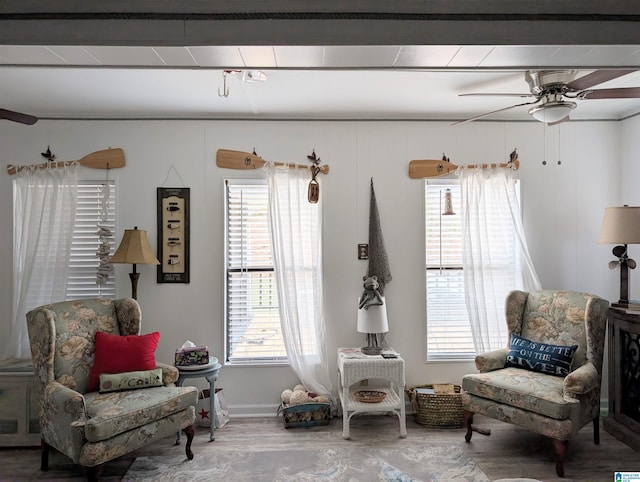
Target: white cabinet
x: 353, y: 367
x: 19, y: 406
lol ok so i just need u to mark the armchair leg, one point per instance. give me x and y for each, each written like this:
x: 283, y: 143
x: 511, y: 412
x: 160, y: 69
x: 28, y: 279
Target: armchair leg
x: 189, y: 432
x: 44, y: 456
x: 561, y: 449
x: 468, y: 421
x: 596, y: 430
x: 93, y: 473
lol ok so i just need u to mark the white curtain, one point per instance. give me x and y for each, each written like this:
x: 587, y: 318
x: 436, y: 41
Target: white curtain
x: 44, y: 218
x: 296, y: 239
x: 495, y: 257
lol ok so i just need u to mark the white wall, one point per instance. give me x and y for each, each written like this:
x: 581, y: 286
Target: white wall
x: 562, y: 209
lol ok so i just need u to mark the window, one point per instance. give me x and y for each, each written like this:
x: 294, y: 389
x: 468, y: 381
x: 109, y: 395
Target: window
x: 252, y: 318
x: 83, y: 263
x: 448, y: 329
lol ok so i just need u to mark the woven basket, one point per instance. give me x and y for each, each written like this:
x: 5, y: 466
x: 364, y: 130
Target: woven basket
x: 369, y: 396
x: 438, y: 410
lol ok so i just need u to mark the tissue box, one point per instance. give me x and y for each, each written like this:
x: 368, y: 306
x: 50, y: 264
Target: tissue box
x: 195, y: 355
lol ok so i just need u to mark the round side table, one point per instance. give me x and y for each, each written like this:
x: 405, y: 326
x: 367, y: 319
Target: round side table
x: 210, y: 372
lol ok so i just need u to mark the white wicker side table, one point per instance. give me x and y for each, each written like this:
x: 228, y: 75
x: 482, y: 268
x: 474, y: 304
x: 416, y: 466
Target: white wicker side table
x: 353, y: 367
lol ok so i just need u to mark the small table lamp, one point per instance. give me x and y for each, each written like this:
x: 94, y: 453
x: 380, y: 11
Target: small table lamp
x: 373, y: 321
x: 134, y: 249
x: 621, y: 225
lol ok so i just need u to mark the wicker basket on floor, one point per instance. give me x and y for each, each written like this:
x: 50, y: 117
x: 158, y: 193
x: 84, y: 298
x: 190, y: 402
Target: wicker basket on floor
x: 437, y: 410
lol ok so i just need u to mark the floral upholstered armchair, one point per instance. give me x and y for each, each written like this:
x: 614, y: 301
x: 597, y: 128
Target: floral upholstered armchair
x: 94, y: 426
x: 548, y: 379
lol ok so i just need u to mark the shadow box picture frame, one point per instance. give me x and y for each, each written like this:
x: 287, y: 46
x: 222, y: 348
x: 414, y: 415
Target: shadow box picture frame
x: 173, y: 234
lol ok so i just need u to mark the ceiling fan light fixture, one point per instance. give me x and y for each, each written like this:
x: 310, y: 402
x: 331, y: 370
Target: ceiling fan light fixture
x: 553, y: 111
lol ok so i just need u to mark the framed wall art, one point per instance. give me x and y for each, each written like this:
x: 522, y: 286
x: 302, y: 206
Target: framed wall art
x: 173, y: 234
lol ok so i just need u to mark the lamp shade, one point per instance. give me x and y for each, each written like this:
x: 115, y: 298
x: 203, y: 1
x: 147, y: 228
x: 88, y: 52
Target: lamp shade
x: 134, y: 248
x: 620, y: 225
x: 374, y: 319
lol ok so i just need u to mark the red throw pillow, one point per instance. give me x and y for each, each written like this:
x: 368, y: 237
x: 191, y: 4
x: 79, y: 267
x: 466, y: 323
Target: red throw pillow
x: 120, y: 354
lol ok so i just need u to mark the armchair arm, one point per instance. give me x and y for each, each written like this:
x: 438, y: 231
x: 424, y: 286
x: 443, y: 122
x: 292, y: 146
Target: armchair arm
x: 492, y: 360
x: 169, y: 373
x: 63, y: 417
x: 581, y: 380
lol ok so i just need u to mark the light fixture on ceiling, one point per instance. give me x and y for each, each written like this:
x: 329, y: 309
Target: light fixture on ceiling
x: 552, y: 111
x: 253, y: 76
x: 249, y: 76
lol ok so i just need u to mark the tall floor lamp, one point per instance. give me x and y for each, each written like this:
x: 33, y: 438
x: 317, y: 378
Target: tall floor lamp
x: 621, y: 226
x: 134, y: 249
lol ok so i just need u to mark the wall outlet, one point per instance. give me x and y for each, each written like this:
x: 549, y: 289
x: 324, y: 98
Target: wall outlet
x: 364, y: 383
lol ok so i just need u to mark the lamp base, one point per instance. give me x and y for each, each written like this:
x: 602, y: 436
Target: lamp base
x: 371, y: 350
x: 374, y: 345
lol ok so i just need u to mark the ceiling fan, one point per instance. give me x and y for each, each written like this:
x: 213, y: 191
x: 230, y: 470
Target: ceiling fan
x: 18, y: 117
x: 554, y: 90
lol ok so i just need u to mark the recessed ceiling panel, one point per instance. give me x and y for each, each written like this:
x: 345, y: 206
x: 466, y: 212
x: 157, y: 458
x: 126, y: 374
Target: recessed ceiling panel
x: 175, y: 56
x: 74, y: 55
x: 124, y: 55
x: 294, y: 56
x: 470, y: 56
x: 223, y: 57
x: 360, y: 56
x: 28, y: 54
x: 258, y: 56
x: 425, y: 55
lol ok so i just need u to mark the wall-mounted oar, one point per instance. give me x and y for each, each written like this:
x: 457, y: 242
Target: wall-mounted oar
x: 230, y: 159
x: 105, y: 159
x: 422, y: 168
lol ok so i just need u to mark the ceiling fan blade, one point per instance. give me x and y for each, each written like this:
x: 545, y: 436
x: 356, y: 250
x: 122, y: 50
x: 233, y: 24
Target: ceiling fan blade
x: 596, y: 77
x: 619, y: 93
x: 18, y: 117
x: 494, y: 94
x: 492, y: 112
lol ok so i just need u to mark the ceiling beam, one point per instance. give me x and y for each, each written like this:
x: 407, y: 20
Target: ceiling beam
x: 317, y: 22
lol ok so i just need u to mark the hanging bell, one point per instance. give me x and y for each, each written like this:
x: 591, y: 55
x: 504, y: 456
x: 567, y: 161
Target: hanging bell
x: 313, y: 193
x: 448, y: 203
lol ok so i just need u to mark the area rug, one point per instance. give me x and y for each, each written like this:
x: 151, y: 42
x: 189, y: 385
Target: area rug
x: 355, y: 464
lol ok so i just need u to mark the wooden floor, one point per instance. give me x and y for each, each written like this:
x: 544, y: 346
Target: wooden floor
x: 509, y: 452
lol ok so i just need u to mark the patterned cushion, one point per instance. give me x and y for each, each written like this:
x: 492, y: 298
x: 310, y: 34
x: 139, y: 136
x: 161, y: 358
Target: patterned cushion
x: 534, y: 392
x: 113, y: 382
x: 540, y: 357
x: 117, y: 412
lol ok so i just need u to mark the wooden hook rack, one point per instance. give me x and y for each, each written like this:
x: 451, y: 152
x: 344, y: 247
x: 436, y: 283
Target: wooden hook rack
x: 230, y: 159
x: 105, y: 159
x: 423, y: 168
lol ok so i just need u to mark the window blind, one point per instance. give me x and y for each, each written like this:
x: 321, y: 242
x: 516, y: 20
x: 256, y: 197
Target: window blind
x: 83, y: 263
x: 252, y: 324
x: 448, y: 330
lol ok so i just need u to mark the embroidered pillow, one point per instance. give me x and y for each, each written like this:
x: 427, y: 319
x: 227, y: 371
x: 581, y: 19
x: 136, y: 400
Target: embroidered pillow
x: 130, y: 380
x: 120, y: 354
x: 540, y: 357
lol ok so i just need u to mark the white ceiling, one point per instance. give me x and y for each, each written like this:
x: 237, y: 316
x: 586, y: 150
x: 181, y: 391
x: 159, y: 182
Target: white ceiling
x: 304, y: 82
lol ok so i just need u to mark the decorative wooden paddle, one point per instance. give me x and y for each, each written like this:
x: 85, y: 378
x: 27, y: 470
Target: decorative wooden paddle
x: 419, y: 169
x: 105, y: 159
x: 230, y: 159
